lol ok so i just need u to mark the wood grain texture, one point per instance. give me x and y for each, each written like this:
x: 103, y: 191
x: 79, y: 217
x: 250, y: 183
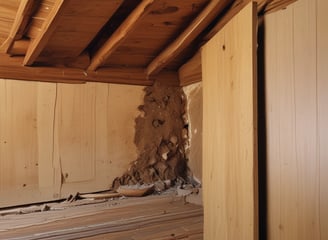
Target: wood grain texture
x: 263, y: 6
x: 229, y: 130
x: 21, y: 18
x: 80, y: 22
x: 119, y: 35
x: 191, y: 71
x: 10, y: 68
x: 59, y: 139
x: 8, y: 12
x: 47, y: 29
x: 19, y: 156
x: 165, y: 21
x: 154, y: 217
x: 294, y: 140
x: 322, y: 90
x: 213, y: 9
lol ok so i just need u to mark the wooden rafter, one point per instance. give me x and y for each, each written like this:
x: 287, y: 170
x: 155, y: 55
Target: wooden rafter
x: 23, y: 12
x: 48, y: 27
x: 188, y: 35
x: 119, y: 35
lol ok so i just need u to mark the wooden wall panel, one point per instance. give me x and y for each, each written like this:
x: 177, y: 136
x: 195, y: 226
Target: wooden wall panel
x: 19, y: 148
x: 76, y: 131
x: 293, y: 91
x: 59, y: 139
x: 102, y: 133
x: 229, y: 130
x: 322, y: 91
x: 115, y: 115
x: 19, y: 141
x: 282, y: 139
x: 46, y: 104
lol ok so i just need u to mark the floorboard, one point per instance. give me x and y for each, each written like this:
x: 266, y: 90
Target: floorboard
x: 153, y: 217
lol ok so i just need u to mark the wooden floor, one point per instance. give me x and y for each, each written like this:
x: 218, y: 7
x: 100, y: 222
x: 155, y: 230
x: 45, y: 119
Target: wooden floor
x: 154, y: 217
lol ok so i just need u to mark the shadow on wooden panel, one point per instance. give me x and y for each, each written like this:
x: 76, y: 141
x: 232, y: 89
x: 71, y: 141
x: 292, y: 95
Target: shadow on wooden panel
x: 262, y: 135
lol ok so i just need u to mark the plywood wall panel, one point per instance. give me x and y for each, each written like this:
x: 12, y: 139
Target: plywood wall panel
x: 273, y: 176
x: 322, y: 90
x: 122, y: 125
x: 19, y: 141
x: 46, y: 110
x: 76, y: 125
x: 19, y: 148
x: 285, y: 116
x: 229, y: 130
x: 59, y: 139
x: 293, y: 113
x: 306, y: 118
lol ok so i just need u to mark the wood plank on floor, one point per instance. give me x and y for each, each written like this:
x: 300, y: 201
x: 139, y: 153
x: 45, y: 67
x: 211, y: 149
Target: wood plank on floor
x: 155, y: 218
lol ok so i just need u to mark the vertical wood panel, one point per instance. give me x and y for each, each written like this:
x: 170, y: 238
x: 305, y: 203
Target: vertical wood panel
x: 306, y: 119
x: 293, y: 96
x: 322, y: 59
x: 272, y: 107
x: 48, y: 130
x: 46, y: 103
x: 229, y: 129
x: 2, y: 133
x: 76, y: 131
x: 19, y: 141
x: 123, y: 107
x: 19, y: 156
x: 288, y: 227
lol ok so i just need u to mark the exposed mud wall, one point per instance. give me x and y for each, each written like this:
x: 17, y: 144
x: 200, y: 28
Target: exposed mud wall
x: 161, y: 137
x: 194, y: 111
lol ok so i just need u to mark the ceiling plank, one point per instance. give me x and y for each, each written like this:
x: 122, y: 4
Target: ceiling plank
x: 211, y: 11
x: 21, y: 19
x: 19, y: 47
x: 48, y: 28
x: 119, y: 35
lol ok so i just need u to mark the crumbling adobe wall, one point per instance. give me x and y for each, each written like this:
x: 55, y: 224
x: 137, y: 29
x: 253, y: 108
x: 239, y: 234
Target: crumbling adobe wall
x: 161, y: 137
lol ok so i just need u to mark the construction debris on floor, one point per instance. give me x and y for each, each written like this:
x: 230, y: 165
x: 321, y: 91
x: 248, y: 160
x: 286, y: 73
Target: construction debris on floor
x: 108, y: 216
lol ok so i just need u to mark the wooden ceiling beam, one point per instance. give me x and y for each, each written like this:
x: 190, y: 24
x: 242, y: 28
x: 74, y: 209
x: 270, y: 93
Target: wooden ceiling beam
x: 211, y: 11
x: 48, y: 27
x: 11, y: 68
x: 21, y: 19
x: 119, y: 35
x: 191, y: 71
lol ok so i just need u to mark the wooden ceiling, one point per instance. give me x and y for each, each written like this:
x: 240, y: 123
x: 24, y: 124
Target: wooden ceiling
x: 119, y: 41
